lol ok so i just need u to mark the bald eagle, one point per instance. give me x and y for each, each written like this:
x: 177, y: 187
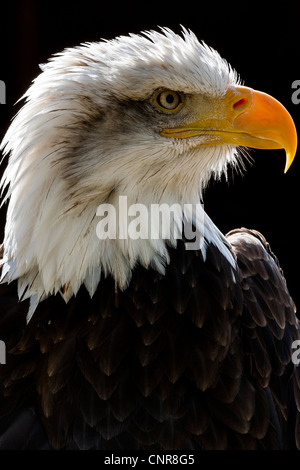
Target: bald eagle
x: 119, y: 339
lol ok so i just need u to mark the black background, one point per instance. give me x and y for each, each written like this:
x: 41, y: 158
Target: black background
x: 261, y: 40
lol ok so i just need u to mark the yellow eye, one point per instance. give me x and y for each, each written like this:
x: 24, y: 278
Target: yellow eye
x: 169, y: 100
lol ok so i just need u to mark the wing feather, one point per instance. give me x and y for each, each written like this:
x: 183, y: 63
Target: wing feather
x: 197, y: 358
x: 269, y: 323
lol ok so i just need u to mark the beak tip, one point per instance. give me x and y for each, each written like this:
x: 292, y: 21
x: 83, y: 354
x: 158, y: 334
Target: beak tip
x: 289, y: 160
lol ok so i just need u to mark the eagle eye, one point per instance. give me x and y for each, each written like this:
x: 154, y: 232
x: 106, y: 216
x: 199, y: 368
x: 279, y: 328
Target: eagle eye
x: 168, y: 100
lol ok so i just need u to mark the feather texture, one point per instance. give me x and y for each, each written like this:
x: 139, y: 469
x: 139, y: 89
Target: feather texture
x: 124, y: 343
x: 208, y: 375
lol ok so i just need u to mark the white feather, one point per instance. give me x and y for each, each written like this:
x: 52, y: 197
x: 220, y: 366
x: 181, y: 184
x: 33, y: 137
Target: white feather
x: 81, y: 139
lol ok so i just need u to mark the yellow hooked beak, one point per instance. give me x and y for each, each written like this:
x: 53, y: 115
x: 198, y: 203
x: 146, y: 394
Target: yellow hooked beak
x: 243, y: 117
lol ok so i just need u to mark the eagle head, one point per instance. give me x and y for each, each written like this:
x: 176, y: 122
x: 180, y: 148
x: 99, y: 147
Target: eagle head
x: 151, y: 117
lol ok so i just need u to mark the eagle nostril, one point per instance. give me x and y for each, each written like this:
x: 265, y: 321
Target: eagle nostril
x: 239, y: 103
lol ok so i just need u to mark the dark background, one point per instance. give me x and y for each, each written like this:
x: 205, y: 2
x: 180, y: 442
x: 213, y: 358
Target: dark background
x: 260, y: 40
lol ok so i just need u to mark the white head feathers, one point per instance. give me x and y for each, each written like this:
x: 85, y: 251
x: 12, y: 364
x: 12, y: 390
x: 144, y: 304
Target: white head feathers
x: 88, y: 134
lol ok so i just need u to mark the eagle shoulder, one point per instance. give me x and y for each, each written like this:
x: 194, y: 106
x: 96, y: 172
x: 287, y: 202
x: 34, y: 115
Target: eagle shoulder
x: 269, y: 325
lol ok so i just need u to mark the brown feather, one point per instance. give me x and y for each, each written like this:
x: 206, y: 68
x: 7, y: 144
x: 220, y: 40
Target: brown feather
x: 193, y: 359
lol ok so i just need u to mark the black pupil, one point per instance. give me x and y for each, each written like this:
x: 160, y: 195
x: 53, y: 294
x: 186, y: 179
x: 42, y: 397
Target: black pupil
x: 170, y: 99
